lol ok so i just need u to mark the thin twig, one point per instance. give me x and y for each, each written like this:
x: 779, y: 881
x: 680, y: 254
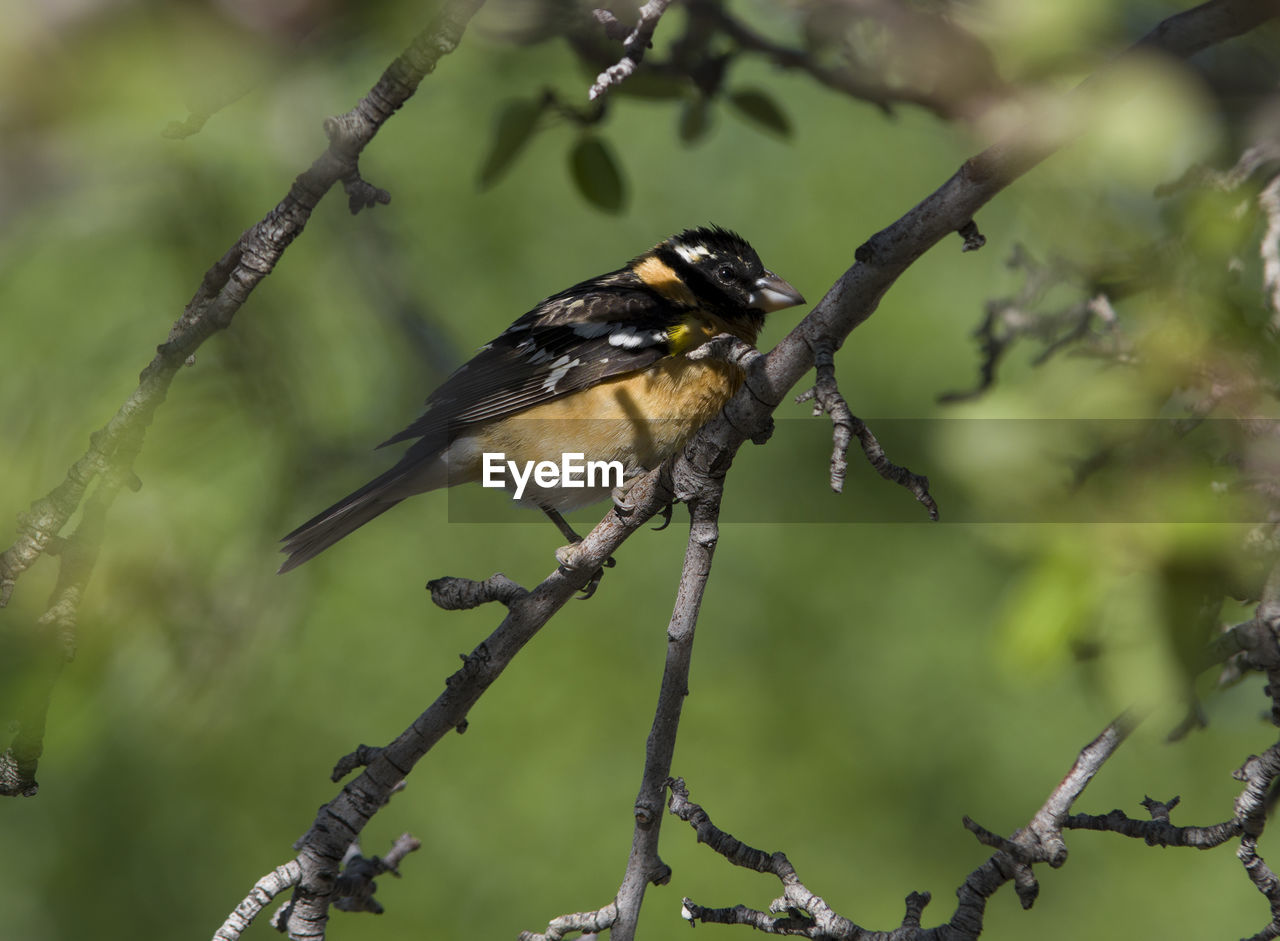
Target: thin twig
x: 260, y: 896
x: 1156, y: 832
x: 644, y: 865
x: 634, y: 46
x: 800, y: 911
x: 845, y: 426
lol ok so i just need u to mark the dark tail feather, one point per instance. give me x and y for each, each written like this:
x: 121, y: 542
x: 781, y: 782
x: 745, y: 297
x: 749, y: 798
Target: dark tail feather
x: 341, y: 519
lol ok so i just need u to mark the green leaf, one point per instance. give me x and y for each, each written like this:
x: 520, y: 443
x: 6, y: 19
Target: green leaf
x: 695, y: 120
x: 758, y: 107
x: 515, y: 126
x: 596, y: 173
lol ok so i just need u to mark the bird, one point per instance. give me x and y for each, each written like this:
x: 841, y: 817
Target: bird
x: 600, y: 371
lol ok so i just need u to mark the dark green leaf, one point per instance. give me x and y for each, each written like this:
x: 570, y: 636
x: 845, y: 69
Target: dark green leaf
x: 515, y: 126
x: 597, y: 175
x: 695, y: 120
x: 755, y: 105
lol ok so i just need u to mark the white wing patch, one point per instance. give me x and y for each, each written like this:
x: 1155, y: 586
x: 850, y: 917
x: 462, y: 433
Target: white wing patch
x: 558, y: 370
x: 631, y: 338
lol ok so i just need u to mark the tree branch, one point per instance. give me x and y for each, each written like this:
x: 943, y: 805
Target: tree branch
x: 644, y: 864
x: 846, y: 426
x: 634, y: 46
x: 264, y: 890
x: 850, y: 301
x: 1158, y: 831
x: 223, y: 291
x: 800, y: 911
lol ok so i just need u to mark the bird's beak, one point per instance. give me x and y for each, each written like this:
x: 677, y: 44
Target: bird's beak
x: 771, y: 293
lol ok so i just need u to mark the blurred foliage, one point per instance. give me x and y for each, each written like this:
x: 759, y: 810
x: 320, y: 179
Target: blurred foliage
x: 858, y: 686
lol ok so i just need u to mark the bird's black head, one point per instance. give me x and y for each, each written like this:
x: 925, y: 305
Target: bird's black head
x: 724, y: 272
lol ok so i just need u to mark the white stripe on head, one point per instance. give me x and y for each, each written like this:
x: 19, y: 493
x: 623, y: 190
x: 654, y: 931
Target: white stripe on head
x: 691, y: 253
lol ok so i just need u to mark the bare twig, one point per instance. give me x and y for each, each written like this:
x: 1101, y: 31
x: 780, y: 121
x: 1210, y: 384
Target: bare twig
x: 634, y: 46
x: 264, y: 890
x: 644, y: 865
x: 845, y: 425
x: 1158, y: 831
x: 1260, y: 774
x: 462, y: 594
x: 1090, y: 325
x: 800, y: 911
x: 807, y: 914
x: 601, y: 919
x: 1254, y: 645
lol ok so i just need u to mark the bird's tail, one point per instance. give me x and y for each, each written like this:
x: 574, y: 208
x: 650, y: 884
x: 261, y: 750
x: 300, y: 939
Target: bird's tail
x: 344, y: 517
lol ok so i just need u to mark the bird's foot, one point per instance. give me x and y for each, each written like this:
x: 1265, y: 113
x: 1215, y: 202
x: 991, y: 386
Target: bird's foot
x: 624, y: 506
x: 565, y: 556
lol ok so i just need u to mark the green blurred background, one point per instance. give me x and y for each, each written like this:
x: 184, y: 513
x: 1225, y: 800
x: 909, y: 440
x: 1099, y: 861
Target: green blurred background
x: 857, y: 687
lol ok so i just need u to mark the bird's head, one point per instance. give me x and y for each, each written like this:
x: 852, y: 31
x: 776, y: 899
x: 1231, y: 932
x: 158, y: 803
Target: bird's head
x: 724, y: 272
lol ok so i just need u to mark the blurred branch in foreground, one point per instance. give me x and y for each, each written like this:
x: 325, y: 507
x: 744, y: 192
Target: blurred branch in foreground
x: 223, y: 291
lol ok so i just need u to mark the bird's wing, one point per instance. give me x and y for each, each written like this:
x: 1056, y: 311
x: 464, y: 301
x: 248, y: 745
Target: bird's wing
x: 572, y: 341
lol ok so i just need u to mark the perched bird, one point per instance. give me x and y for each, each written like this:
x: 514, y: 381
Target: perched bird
x: 599, y: 370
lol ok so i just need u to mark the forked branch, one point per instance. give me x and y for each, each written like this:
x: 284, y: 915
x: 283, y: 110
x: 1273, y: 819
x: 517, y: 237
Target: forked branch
x: 800, y: 911
x: 845, y: 426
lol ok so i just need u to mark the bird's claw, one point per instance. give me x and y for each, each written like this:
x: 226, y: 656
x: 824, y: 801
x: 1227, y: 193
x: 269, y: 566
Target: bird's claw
x: 621, y: 504
x: 592, y: 584
x: 564, y: 556
x: 625, y: 507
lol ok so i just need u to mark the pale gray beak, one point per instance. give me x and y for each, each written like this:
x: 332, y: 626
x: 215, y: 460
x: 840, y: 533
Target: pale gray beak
x: 771, y: 293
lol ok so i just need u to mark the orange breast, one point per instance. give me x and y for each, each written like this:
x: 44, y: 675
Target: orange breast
x: 639, y: 419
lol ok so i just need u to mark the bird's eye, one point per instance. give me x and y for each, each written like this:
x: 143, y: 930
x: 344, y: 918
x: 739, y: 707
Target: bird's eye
x: 725, y: 273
